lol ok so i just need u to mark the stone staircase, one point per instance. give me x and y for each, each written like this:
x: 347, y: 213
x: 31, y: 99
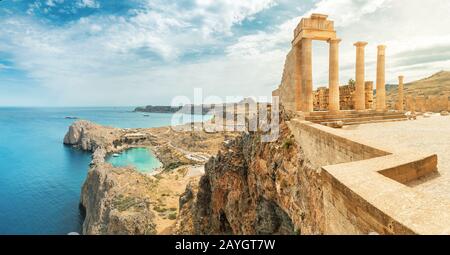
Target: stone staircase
x: 354, y: 117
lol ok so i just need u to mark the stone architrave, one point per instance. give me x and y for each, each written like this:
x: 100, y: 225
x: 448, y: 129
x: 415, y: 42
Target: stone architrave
x: 316, y: 27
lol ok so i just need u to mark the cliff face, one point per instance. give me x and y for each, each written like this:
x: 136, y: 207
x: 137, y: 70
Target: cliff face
x: 111, y: 206
x: 255, y: 188
x: 88, y: 136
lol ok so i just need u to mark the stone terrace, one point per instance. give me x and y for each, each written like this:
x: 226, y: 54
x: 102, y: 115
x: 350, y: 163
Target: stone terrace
x: 426, y: 135
x: 388, y: 178
x: 404, y: 184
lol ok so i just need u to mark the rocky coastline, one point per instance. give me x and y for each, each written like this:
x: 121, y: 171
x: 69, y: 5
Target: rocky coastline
x: 125, y: 201
x: 210, y: 183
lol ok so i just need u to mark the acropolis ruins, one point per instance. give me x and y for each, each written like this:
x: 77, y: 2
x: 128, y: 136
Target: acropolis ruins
x: 381, y: 173
x: 352, y: 101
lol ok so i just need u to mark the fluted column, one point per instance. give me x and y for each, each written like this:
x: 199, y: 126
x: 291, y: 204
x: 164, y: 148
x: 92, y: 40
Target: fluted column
x: 334, y: 75
x: 400, y: 93
x: 381, y: 81
x: 360, y: 100
x: 307, y: 75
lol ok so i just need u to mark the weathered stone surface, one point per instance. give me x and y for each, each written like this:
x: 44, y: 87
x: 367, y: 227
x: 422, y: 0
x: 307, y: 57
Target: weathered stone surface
x: 336, y: 124
x: 112, y: 205
x: 346, y: 97
x: 89, y: 136
x: 444, y: 113
x: 256, y: 188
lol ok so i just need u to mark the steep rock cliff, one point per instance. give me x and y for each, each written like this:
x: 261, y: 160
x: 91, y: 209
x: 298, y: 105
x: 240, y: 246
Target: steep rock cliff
x: 252, y: 187
x: 113, y: 202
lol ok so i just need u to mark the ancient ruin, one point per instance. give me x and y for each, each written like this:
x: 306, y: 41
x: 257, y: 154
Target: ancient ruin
x: 346, y: 97
x: 372, y: 178
x: 352, y: 103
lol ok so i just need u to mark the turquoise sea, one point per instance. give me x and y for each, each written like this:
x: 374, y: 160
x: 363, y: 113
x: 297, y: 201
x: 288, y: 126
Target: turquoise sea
x: 141, y: 158
x: 40, y: 178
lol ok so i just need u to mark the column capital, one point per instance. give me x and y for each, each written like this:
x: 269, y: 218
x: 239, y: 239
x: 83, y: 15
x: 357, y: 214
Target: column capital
x: 381, y: 49
x: 360, y: 44
x: 401, y: 77
x: 334, y: 40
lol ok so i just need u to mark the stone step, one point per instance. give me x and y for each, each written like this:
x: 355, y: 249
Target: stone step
x: 350, y: 115
x: 345, y: 118
x: 343, y: 112
x: 363, y: 122
x: 374, y: 121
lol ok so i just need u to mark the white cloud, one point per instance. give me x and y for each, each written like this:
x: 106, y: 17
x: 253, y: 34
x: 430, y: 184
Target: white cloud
x: 88, y: 4
x: 101, y: 59
x: 104, y: 60
x: 228, y: 13
x: 346, y: 12
x: 404, y: 28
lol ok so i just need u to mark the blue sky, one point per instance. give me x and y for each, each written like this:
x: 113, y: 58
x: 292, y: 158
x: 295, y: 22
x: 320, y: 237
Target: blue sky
x: 137, y: 52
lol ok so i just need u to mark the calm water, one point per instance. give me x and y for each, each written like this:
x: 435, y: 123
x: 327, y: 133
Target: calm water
x: 140, y: 158
x: 40, y: 178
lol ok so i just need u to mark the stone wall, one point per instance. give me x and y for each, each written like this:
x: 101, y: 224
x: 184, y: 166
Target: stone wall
x: 348, y: 167
x: 346, y: 99
x: 421, y: 103
x: 313, y: 138
x: 286, y: 90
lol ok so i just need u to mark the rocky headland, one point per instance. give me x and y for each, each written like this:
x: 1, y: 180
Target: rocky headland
x: 125, y: 201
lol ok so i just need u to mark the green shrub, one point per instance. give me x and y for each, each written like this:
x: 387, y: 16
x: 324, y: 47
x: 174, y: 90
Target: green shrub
x: 159, y: 209
x: 123, y: 203
x: 172, y: 216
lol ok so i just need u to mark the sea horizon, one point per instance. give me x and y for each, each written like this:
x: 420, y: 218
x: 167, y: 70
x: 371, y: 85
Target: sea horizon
x: 40, y: 178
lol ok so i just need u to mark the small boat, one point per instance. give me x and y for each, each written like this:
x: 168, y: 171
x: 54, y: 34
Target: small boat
x: 116, y: 155
x: 146, y: 115
x: 71, y: 117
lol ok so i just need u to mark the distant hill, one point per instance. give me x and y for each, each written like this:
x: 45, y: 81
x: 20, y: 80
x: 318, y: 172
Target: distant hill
x: 187, y: 109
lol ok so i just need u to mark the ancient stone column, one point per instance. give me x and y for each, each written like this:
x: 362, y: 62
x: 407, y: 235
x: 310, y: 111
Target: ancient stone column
x: 297, y: 78
x: 333, y: 96
x: 400, y: 93
x: 307, y: 87
x: 381, y: 80
x: 360, y: 101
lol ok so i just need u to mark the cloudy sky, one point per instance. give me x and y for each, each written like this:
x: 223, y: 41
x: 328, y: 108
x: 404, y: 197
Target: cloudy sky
x: 137, y: 52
